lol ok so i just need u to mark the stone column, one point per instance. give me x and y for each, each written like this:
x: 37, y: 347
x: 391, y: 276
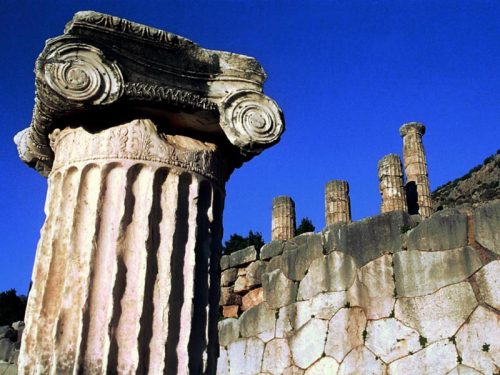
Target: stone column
x: 390, y: 175
x: 283, y: 221
x: 337, y: 202
x: 126, y: 275
x: 417, y: 181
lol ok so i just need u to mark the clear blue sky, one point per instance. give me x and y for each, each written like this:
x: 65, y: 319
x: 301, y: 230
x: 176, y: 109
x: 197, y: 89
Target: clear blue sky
x: 346, y: 73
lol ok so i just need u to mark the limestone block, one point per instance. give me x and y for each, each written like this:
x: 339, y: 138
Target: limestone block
x: 308, y: 342
x: 442, y: 231
x: 361, y: 361
x: 325, y: 366
x: 345, y: 332
x: 243, y: 256
x: 230, y: 311
x: 274, y: 264
x: 373, y: 288
x: 438, y: 358
x: 272, y: 249
x: 293, y: 317
x: 325, y: 305
x: 224, y: 262
x: 254, y: 273
x: 486, y: 224
x: 228, y: 297
x: 276, y: 357
x: 464, y: 370
x: 228, y: 276
x: 258, y: 319
x: 329, y: 273
x: 279, y: 291
x: 478, y: 341
x: 252, y: 298
x: 241, y: 285
x: 245, y: 356
x: 223, y: 362
x: 368, y: 239
x: 293, y: 370
x: 229, y: 331
x: 267, y: 336
x: 488, y: 282
x: 242, y: 271
x: 438, y: 315
x: 421, y: 272
x: 391, y: 340
x: 299, y: 253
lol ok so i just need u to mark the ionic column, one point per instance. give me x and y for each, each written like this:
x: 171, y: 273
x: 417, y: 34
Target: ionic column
x: 417, y: 181
x: 337, y: 202
x: 390, y: 174
x: 126, y: 275
x: 283, y: 218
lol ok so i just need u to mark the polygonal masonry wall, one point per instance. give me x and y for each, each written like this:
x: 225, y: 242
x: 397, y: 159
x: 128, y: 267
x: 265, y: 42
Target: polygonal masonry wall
x: 379, y: 296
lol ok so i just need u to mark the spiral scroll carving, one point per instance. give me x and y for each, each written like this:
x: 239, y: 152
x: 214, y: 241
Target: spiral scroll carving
x: 251, y: 120
x: 80, y: 73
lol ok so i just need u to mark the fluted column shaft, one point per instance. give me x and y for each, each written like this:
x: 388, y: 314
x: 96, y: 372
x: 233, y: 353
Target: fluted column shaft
x: 417, y: 180
x: 126, y: 277
x: 283, y: 218
x: 390, y: 174
x: 337, y: 202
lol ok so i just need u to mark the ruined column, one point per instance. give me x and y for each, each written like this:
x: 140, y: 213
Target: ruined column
x: 417, y: 181
x: 137, y: 130
x: 283, y: 221
x: 337, y: 202
x: 390, y: 175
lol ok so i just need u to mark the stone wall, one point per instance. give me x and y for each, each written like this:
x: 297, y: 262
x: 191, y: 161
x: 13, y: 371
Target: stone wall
x: 385, y: 295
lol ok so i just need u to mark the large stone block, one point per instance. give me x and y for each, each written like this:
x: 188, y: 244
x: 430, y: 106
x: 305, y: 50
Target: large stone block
x: 439, y: 315
x: 254, y: 273
x: 326, y: 305
x: 223, y: 362
x: 442, y: 231
x: 230, y: 311
x: 370, y: 238
x: 245, y: 356
x: 363, y: 362
x: 326, y: 365
x: 478, y: 341
x: 252, y: 298
x: 228, y: 297
x: 272, y: 249
x: 279, y: 291
x: 308, y: 342
x: 421, y: 272
x: 293, y: 317
x: 488, y: 282
x: 224, y: 262
x: 274, y: 264
x: 345, y: 332
x: 329, y: 273
x: 487, y: 224
x: 299, y: 253
x: 276, y: 357
x: 438, y: 358
x: 464, y: 370
x: 228, y: 276
x: 257, y: 320
x: 244, y: 256
x: 229, y: 331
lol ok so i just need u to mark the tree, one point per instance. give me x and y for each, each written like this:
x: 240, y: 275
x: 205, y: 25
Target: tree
x: 12, y: 307
x: 237, y: 242
x: 305, y: 226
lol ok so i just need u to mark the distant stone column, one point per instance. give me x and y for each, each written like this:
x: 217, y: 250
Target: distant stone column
x: 337, y: 202
x: 390, y: 174
x: 137, y: 152
x: 283, y: 221
x: 417, y: 181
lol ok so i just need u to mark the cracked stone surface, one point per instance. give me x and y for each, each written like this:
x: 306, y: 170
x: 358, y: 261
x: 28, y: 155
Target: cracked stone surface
x: 478, y: 341
x: 351, y: 323
x: 292, y: 317
x: 363, y: 362
x: 276, y: 357
x: 438, y: 358
x: 438, y: 315
x: 325, y: 305
x: 422, y: 272
x: 390, y: 339
x: 308, y: 342
x: 279, y: 290
x: 245, y: 356
x: 374, y: 288
x: 488, y: 281
x: 325, y: 366
x: 330, y: 273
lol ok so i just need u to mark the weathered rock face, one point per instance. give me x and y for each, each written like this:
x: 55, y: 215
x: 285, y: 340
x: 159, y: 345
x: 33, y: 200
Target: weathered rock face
x: 380, y: 298
x: 138, y: 130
